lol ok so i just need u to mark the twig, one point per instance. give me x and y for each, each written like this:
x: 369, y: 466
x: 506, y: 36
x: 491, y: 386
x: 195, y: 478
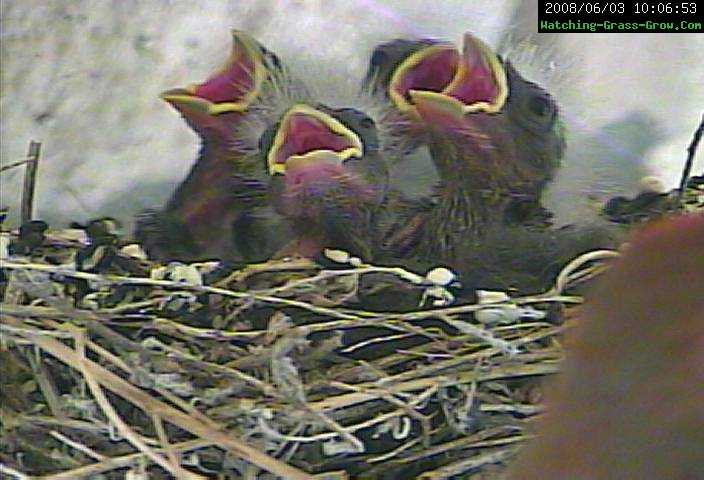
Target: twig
x: 691, y: 150
x: 30, y: 180
x: 494, y: 373
x: 46, y: 386
x: 345, y: 318
x: 480, y: 333
x: 12, y: 472
x: 374, y: 340
x: 14, y: 165
x: 7, y: 310
x: 394, y: 452
x: 78, y: 446
x: 565, y: 276
x: 255, y: 382
x: 409, y: 409
x: 121, y: 462
x: 82, y: 425
x: 271, y: 432
x: 526, y: 410
x: 333, y: 425
x: 120, y: 280
x: 474, y: 440
x: 328, y: 274
x: 122, y: 427
x: 164, y: 440
x: 269, y: 266
x: 436, y: 368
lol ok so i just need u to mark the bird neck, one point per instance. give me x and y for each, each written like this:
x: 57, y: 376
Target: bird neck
x: 206, y: 202
x: 469, y: 197
x: 214, y: 162
x: 477, y: 157
x: 460, y: 214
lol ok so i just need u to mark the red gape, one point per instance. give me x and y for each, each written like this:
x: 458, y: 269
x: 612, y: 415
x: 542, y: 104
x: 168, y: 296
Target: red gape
x: 630, y: 403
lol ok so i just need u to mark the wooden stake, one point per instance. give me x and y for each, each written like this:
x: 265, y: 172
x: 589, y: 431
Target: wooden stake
x: 30, y: 179
x: 691, y: 150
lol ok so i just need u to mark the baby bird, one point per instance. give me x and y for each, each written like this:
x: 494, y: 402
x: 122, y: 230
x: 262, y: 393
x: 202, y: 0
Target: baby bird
x: 495, y: 138
x: 328, y: 178
x: 225, y: 180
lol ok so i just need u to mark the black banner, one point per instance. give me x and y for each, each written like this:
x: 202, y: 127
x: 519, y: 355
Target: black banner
x: 620, y: 16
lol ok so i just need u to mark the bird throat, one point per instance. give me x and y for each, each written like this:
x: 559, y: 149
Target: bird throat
x: 471, y: 197
x: 461, y: 214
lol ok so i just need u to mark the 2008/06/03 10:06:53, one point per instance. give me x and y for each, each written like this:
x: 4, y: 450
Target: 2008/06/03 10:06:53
x: 620, y: 8
x: 670, y: 17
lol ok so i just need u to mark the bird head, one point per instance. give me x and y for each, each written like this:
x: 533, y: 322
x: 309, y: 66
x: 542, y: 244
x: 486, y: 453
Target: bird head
x: 212, y: 106
x: 224, y: 182
x: 410, y: 73
x: 498, y: 121
x: 327, y: 175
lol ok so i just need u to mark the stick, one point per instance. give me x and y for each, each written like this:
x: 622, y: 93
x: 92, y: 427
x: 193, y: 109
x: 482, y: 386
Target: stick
x: 691, y: 150
x: 13, y: 165
x: 30, y: 179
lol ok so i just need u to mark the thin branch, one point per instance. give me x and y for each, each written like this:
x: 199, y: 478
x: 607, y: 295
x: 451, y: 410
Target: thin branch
x: 77, y: 446
x: 122, y: 427
x: 14, y: 165
x: 4, y: 469
x: 472, y: 463
x: 30, y: 180
x: 691, y: 150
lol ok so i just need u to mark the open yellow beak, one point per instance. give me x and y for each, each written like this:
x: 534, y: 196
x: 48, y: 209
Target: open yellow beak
x: 306, y: 134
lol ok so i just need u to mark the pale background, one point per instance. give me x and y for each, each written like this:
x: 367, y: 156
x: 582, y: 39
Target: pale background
x: 83, y: 77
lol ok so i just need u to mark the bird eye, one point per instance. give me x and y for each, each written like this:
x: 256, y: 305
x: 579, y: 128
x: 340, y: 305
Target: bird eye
x: 270, y: 58
x: 540, y: 106
x: 378, y: 57
x: 367, y: 122
x: 275, y: 61
x: 267, y: 138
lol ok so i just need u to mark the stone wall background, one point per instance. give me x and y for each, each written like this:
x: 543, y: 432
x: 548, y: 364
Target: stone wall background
x: 83, y: 77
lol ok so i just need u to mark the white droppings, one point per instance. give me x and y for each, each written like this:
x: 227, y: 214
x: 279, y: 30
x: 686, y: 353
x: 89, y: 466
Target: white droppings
x: 339, y: 256
x: 441, y: 276
x: 491, y: 296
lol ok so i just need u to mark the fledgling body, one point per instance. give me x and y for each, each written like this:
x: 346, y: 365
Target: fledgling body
x: 494, y: 138
x: 225, y: 182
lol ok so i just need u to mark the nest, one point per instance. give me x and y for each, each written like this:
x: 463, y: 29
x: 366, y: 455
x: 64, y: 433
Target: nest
x: 117, y: 367
x: 195, y: 371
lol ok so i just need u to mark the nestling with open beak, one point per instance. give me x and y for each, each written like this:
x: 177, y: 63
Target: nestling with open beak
x: 494, y: 138
x: 225, y: 180
x: 328, y: 178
